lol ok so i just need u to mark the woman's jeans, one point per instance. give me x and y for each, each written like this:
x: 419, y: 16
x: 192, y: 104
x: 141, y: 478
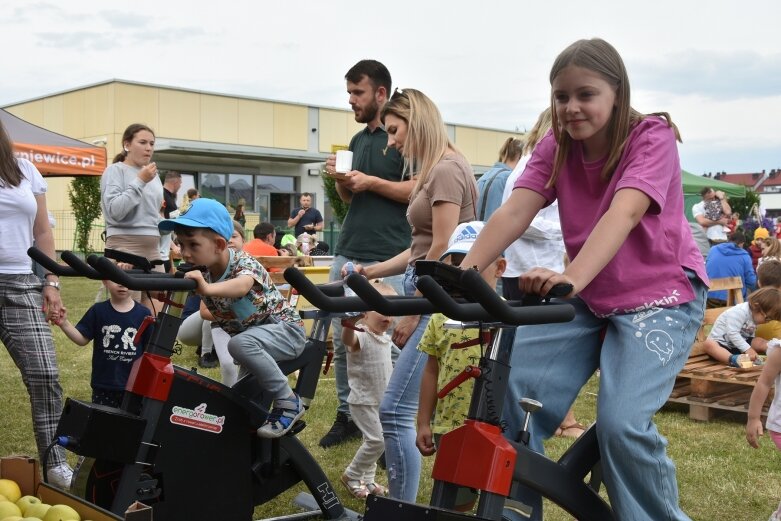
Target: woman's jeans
x: 399, y: 409
x: 638, y: 360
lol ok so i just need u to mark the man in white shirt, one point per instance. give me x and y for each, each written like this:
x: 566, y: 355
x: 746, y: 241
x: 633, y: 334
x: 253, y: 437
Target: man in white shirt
x: 714, y: 225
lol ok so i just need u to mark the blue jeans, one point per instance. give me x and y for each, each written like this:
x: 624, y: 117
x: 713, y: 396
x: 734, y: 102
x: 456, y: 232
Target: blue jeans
x: 638, y: 360
x: 340, y: 355
x: 399, y: 408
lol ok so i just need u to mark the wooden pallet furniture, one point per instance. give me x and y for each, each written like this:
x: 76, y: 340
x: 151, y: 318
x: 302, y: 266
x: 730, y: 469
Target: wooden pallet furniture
x: 708, y: 386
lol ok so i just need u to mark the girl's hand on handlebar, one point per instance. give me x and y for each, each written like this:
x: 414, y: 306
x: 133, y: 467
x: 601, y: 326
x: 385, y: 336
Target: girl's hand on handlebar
x: 404, y: 330
x: 539, y: 281
x: 425, y: 440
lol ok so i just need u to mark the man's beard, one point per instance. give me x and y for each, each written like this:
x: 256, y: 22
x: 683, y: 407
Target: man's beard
x: 368, y: 113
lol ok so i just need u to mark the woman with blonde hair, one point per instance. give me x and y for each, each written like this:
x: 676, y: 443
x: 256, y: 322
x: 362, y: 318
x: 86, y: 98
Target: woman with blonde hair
x: 444, y: 196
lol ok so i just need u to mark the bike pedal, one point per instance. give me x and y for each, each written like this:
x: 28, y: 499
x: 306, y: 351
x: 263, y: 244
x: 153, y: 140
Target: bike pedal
x: 296, y: 428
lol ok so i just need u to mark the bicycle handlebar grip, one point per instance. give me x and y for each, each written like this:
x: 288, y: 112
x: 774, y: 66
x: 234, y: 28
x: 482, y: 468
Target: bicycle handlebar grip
x: 109, y: 270
x: 49, y: 263
x: 465, y: 312
x: 392, y: 307
x: 81, y: 267
x: 319, y: 297
x: 524, y: 315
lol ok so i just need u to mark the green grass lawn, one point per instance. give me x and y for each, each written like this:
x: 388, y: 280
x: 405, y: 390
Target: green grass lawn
x: 720, y: 477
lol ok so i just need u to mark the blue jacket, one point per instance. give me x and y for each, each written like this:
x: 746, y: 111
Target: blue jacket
x: 490, y: 189
x: 729, y: 260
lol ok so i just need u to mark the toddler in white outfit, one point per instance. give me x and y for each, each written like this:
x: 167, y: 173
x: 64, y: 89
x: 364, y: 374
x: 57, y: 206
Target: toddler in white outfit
x: 368, y: 370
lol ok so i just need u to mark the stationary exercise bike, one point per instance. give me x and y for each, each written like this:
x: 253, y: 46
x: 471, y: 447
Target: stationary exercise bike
x: 182, y: 442
x: 477, y: 455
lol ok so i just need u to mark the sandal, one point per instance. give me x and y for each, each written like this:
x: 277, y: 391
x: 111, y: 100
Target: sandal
x: 563, y: 431
x: 376, y: 489
x: 356, y: 487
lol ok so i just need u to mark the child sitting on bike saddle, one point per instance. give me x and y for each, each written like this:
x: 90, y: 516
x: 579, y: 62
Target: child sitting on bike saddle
x: 239, y: 293
x: 445, y: 362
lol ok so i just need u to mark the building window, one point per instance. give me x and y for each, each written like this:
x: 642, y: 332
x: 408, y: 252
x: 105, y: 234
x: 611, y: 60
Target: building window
x: 240, y: 187
x: 213, y: 186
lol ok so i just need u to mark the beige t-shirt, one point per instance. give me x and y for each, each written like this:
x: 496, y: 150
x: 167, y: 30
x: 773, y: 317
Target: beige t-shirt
x: 451, y: 180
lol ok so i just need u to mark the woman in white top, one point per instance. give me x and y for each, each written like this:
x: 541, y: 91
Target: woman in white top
x: 27, y: 302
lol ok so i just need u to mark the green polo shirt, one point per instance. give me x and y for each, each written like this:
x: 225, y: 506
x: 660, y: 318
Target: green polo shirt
x: 375, y: 227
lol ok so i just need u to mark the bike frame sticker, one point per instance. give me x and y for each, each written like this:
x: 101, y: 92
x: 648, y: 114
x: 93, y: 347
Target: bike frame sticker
x: 197, y: 419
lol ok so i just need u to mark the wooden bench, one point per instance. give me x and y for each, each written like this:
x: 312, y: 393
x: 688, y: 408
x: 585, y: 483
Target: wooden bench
x: 277, y: 265
x: 708, y: 386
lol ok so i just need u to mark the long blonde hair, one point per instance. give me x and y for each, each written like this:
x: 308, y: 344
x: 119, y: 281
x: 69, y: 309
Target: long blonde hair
x: 602, y: 58
x: 427, y: 141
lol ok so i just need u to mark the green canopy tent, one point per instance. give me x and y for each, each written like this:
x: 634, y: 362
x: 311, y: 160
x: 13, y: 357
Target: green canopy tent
x: 693, y: 184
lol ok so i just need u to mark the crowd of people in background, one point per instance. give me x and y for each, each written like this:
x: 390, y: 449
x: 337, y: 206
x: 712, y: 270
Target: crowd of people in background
x: 591, y: 198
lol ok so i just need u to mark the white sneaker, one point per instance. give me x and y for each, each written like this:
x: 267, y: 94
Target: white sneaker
x: 60, y: 476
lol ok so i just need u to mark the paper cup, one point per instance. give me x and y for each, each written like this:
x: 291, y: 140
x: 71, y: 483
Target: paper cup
x: 344, y: 161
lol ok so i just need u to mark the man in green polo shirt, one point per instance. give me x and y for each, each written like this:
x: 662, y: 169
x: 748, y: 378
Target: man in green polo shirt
x: 375, y: 228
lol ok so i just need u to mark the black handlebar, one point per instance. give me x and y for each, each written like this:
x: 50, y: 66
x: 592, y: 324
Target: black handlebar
x: 526, y: 314
x: 50, y: 264
x: 389, y: 306
x: 79, y: 266
x: 489, y: 308
x: 161, y: 282
x: 324, y: 296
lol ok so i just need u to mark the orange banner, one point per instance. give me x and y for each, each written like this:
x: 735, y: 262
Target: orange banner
x: 70, y: 161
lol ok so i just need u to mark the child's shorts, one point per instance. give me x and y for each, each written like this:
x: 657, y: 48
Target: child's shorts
x: 735, y: 350
x: 776, y: 437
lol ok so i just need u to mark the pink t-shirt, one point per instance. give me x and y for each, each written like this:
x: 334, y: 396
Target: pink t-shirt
x: 648, y: 269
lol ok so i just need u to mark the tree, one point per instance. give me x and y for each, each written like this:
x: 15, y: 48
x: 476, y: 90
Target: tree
x: 84, y: 195
x: 339, y: 207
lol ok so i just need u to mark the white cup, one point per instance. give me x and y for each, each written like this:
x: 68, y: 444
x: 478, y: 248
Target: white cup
x: 344, y: 161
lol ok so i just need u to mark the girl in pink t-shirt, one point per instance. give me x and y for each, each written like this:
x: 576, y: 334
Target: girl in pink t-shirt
x: 636, y: 273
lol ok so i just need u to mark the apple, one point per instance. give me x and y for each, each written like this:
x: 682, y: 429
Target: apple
x: 25, y: 501
x: 61, y: 513
x: 37, y: 510
x: 8, y: 509
x: 10, y: 490
x: 14, y: 518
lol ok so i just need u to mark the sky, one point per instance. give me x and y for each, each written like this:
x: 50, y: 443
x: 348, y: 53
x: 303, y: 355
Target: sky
x: 714, y: 66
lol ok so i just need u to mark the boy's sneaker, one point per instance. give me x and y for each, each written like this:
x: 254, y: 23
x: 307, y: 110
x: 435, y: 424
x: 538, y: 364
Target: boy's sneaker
x: 285, y: 413
x: 60, y: 476
x: 733, y: 361
x: 342, y: 430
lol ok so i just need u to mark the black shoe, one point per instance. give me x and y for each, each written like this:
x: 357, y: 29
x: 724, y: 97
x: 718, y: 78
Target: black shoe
x: 198, y: 351
x: 342, y: 430
x: 208, y: 360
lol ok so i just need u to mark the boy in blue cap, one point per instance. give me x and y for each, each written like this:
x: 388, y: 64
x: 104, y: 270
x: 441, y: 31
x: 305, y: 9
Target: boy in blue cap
x: 237, y: 290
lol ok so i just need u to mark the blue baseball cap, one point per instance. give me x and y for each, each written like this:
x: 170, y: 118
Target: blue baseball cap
x: 202, y: 213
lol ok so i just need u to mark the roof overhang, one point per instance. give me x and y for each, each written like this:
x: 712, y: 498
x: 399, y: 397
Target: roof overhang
x: 183, y: 147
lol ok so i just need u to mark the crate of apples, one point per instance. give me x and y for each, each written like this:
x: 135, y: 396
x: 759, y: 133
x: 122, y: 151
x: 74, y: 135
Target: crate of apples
x: 16, y: 507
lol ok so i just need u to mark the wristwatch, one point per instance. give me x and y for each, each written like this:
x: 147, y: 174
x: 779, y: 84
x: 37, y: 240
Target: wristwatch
x: 55, y: 285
